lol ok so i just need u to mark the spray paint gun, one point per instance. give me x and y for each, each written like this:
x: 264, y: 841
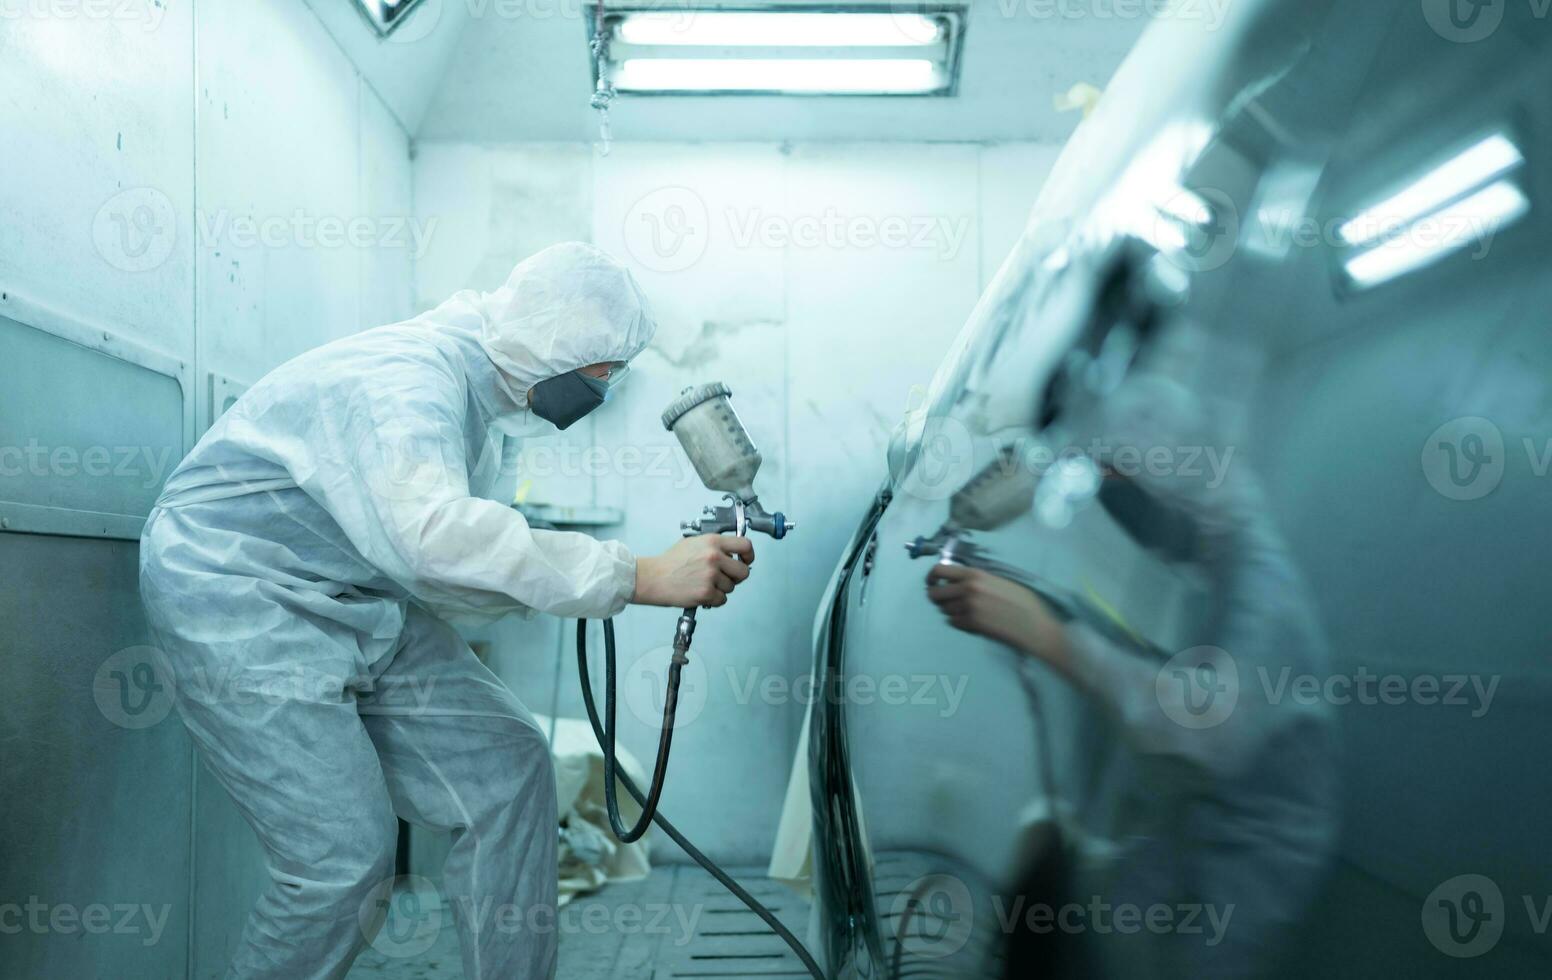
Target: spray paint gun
x: 996, y: 497
x: 726, y: 460
x: 992, y: 499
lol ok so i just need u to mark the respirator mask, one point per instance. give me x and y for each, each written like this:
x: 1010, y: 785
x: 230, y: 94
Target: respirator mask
x: 565, y: 400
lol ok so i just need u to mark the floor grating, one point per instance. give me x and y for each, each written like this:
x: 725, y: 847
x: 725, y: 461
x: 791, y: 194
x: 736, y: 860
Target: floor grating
x: 677, y: 923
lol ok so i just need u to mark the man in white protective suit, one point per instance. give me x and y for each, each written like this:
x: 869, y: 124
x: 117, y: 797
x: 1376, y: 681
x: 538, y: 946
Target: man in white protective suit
x: 295, y: 572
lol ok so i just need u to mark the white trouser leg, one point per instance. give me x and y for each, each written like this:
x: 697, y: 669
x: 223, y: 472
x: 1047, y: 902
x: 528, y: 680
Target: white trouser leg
x: 460, y: 753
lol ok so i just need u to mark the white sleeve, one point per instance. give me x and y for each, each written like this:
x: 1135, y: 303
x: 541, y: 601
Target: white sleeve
x: 395, y: 477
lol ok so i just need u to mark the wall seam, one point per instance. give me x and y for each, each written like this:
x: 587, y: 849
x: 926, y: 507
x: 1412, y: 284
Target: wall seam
x: 799, y: 653
x: 980, y: 219
x: 363, y: 256
x: 359, y: 73
x: 198, y: 362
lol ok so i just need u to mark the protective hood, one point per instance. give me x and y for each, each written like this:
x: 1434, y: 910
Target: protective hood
x: 569, y: 306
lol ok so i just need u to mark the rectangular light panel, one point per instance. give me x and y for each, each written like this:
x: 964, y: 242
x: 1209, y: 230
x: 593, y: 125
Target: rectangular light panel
x: 803, y: 51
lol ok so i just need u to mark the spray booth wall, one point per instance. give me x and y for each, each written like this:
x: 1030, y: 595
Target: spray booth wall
x: 134, y: 302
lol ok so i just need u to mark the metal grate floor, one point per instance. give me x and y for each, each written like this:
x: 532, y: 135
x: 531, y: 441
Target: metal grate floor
x: 677, y: 923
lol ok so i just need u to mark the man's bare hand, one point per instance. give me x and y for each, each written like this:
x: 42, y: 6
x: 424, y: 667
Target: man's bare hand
x: 700, y: 571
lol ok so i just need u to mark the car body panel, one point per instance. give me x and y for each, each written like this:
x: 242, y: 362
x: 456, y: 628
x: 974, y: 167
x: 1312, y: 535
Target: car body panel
x: 1287, y: 122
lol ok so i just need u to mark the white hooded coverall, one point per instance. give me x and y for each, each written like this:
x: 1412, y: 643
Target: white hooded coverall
x: 294, y: 571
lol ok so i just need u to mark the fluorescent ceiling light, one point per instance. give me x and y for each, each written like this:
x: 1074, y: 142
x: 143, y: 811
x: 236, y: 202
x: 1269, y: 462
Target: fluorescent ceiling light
x: 796, y: 50
x: 1488, y: 160
x: 893, y: 76
x: 753, y: 29
x: 1472, y: 220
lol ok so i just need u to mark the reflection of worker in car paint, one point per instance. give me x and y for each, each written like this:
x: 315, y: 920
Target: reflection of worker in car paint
x: 1236, y: 795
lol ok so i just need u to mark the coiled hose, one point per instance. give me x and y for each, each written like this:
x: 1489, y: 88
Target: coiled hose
x: 605, y: 735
